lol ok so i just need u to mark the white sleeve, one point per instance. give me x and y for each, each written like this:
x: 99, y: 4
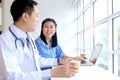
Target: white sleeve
x: 47, y: 62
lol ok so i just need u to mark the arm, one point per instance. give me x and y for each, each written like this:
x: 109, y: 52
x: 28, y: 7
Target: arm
x: 47, y: 62
x: 65, y: 59
x: 62, y: 58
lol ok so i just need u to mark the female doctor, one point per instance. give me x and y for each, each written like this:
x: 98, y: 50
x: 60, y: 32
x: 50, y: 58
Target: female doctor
x: 47, y: 43
x: 20, y: 54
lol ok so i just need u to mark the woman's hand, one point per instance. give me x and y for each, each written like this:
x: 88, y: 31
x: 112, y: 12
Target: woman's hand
x: 65, y: 60
x: 80, y: 58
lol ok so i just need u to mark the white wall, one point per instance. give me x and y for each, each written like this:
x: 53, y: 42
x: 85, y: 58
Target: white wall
x: 64, y: 14
x: 7, y: 19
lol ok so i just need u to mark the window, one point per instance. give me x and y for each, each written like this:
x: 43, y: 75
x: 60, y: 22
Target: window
x: 101, y: 36
x: 117, y: 43
x: 87, y: 19
x: 116, y: 6
x: 88, y: 36
x: 86, y: 2
x: 100, y: 10
x: 99, y: 22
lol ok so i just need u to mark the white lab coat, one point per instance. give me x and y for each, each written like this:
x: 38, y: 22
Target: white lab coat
x: 21, y: 63
x: 3, y: 72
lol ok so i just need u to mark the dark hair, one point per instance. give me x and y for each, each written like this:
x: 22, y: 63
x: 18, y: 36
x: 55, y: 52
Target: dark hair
x: 18, y: 7
x: 54, y: 37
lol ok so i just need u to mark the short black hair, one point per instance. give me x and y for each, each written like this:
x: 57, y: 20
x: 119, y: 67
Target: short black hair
x: 54, y: 37
x: 18, y: 7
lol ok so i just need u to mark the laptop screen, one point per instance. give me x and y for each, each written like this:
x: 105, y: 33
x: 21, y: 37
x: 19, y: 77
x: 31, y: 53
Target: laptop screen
x: 95, y: 53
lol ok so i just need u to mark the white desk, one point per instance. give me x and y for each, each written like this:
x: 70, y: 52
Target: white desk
x: 91, y: 73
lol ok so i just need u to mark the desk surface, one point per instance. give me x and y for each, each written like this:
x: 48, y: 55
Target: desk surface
x: 91, y: 73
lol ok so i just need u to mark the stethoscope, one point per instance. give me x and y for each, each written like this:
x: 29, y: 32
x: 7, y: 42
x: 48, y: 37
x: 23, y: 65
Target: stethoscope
x: 17, y: 39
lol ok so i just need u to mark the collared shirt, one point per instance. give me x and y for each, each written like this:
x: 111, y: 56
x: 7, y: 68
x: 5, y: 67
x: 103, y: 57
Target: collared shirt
x: 52, y: 52
x: 22, y: 63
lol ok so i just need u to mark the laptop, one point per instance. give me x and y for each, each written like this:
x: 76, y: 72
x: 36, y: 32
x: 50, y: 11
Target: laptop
x: 94, y: 56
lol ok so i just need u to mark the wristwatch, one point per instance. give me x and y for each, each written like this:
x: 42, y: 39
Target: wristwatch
x: 58, y: 61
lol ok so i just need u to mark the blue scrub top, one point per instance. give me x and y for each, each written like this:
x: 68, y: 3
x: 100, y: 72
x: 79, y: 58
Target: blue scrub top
x: 52, y: 52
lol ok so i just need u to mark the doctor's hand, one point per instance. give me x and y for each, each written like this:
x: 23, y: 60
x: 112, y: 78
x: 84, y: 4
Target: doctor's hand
x: 67, y: 70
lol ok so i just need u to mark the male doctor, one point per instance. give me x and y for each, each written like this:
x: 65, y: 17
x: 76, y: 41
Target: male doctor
x: 19, y: 50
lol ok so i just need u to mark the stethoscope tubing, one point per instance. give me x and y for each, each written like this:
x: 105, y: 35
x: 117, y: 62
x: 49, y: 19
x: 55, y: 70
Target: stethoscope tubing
x: 16, y: 39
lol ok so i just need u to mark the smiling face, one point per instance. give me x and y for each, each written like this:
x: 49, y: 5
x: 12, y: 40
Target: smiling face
x: 49, y: 29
